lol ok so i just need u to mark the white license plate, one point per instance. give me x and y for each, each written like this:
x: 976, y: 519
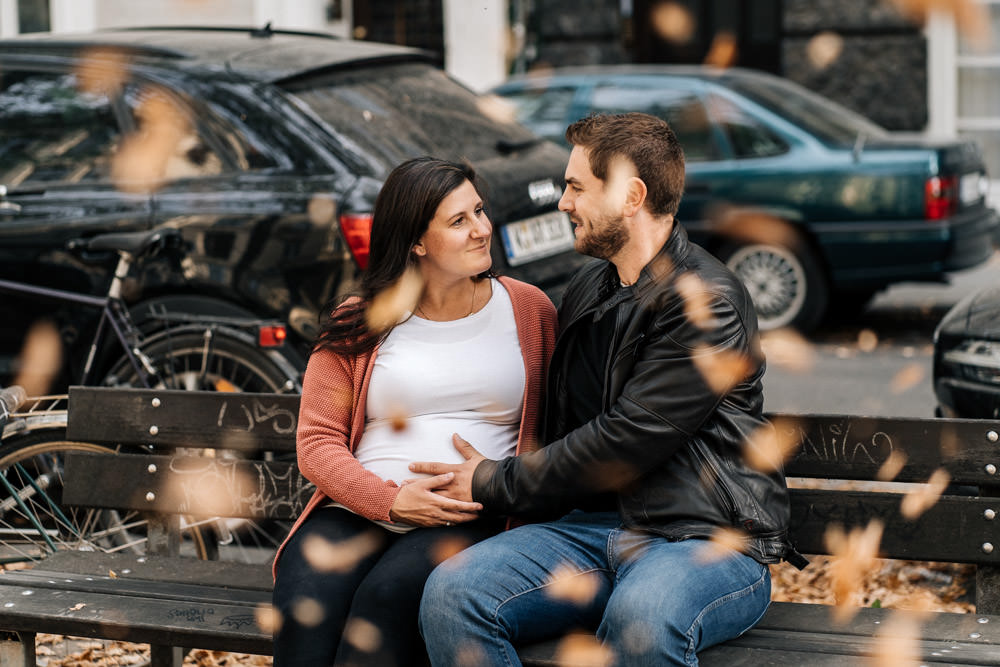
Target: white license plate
x: 537, y: 237
x: 968, y: 188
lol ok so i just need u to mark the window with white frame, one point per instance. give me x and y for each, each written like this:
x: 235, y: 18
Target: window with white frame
x: 978, y: 82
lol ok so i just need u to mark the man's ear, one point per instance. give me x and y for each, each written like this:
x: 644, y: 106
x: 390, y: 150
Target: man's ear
x: 635, y: 196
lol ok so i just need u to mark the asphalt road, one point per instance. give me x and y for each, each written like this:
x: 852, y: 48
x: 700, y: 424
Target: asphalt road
x: 875, y: 363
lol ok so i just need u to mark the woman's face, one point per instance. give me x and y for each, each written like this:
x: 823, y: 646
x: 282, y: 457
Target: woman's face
x: 457, y: 241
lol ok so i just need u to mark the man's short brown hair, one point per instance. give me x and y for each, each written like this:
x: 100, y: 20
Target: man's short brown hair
x: 645, y: 141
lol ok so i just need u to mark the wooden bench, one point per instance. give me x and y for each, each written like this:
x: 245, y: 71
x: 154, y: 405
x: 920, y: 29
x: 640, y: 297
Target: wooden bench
x: 171, y: 601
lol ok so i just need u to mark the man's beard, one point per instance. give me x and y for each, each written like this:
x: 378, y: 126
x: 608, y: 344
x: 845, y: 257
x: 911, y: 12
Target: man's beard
x: 604, y: 239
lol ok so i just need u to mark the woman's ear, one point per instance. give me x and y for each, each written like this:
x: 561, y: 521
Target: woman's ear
x: 419, y: 250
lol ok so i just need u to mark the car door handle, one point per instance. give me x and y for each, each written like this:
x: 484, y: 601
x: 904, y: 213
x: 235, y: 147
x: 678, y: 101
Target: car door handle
x: 9, y: 208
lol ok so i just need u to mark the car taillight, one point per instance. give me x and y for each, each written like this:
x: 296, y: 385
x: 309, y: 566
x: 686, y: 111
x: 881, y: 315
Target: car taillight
x: 271, y: 335
x: 940, y: 197
x: 357, y: 231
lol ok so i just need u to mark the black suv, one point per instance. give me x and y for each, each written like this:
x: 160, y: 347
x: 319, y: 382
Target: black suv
x: 274, y: 150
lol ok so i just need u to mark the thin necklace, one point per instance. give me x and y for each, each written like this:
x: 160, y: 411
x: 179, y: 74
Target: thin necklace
x: 472, y: 306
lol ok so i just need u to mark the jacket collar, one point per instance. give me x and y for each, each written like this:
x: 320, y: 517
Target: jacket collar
x: 659, y: 271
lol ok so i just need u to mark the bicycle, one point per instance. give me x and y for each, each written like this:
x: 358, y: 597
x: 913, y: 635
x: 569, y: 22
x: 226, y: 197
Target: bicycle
x: 170, y: 348
x: 35, y: 524
x: 167, y: 349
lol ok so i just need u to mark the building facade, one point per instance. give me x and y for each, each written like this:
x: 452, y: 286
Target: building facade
x: 918, y: 74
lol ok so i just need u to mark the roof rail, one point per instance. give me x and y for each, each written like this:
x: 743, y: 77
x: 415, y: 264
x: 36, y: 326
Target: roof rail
x: 264, y: 32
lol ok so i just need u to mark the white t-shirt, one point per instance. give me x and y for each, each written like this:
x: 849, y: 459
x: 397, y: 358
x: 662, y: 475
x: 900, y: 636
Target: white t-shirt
x: 433, y: 379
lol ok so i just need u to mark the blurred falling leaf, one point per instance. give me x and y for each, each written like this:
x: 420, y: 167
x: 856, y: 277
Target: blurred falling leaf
x: 390, y: 306
x: 672, y: 21
x: 469, y: 655
x: 325, y: 556
x: 923, y: 498
x: 140, y: 165
x: 40, y: 358
x: 824, y: 49
x: 891, y: 467
x: 697, y: 306
x: 854, y: 557
x: 907, y: 378
x: 308, y: 612
x: 268, y: 618
x: 898, y: 642
x: 397, y: 420
x: 788, y: 349
x: 771, y: 445
x: 103, y: 71
x: 363, y: 634
x: 867, y: 340
x: 950, y: 445
x: 750, y: 226
x: 722, y: 53
x: 321, y: 209
x: 583, y: 650
x: 971, y: 16
x: 723, y: 543
x: 574, y: 586
x: 447, y: 548
x: 496, y: 108
x: 722, y: 370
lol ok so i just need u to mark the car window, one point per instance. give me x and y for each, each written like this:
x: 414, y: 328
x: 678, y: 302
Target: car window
x: 747, y: 137
x: 399, y: 111
x: 169, y: 136
x: 51, y: 131
x: 828, y: 121
x: 543, y: 109
x: 682, y: 110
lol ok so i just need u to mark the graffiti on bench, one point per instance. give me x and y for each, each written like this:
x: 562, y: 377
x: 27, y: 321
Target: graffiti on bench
x: 236, y: 487
x: 248, y: 413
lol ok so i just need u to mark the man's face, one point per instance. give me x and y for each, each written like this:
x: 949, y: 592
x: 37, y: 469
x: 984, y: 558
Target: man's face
x: 593, y: 209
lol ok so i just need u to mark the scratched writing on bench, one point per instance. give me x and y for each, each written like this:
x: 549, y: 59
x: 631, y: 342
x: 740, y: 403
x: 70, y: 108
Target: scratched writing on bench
x: 194, y: 614
x: 249, y: 413
x: 232, y: 487
x: 834, y: 441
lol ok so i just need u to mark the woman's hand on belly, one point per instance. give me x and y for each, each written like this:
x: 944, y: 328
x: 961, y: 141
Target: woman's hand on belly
x: 417, y: 504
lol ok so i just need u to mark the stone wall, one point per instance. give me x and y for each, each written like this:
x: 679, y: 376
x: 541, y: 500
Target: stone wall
x: 576, y: 32
x: 881, y: 69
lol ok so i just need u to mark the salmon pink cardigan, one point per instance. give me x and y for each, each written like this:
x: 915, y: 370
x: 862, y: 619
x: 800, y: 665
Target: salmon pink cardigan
x: 332, y: 412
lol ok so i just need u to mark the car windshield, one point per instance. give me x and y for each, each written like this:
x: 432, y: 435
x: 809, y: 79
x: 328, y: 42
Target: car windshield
x: 391, y: 113
x: 830, y: 122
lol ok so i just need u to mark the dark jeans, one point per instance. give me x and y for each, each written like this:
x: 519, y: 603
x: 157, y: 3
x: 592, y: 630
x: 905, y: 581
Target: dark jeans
x: 348, y: 591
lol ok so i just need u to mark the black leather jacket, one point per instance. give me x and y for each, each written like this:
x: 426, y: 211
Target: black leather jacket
x: 668, y: 446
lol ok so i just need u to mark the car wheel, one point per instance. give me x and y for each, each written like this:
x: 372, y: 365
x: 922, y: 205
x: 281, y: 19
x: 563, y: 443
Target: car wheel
x: 786, y: 284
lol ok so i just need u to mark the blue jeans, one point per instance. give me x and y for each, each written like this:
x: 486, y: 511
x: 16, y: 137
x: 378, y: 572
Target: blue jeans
x: 652, y: 601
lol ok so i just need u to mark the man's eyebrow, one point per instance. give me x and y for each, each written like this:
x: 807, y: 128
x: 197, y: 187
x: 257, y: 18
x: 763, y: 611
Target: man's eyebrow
x: 572, y: 181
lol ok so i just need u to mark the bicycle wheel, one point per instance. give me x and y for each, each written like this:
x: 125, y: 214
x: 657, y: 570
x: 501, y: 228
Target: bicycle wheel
x: 221, y: 361
x: 208, y: 360
x: 35, y: 523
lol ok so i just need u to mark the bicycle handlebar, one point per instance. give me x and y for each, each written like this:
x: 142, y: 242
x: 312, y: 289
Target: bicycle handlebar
x: 11, y: 399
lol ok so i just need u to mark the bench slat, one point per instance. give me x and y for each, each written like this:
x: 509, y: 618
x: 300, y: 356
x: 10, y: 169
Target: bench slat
x: 129, y: 586
x: 189, y: 485
x: 831, y: 446
x: 849, y: 447
x: 248, y: 422
x: 954, y: 529
x: 225, y: 627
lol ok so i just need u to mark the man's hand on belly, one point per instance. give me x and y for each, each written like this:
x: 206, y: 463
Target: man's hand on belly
x: 460, y: 486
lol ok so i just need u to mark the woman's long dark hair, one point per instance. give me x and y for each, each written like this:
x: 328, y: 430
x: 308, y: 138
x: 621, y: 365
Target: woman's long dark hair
x: 405, y: 205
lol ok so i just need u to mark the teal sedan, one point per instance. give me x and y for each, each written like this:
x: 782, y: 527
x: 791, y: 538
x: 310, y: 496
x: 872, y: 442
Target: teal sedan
x: 813, y: 206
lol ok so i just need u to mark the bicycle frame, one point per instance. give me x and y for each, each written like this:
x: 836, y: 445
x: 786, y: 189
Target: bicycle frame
x: 114, y: 314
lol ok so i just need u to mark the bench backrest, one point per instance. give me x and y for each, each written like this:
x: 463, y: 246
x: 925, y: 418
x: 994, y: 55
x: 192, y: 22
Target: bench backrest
x: 955, y: 528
